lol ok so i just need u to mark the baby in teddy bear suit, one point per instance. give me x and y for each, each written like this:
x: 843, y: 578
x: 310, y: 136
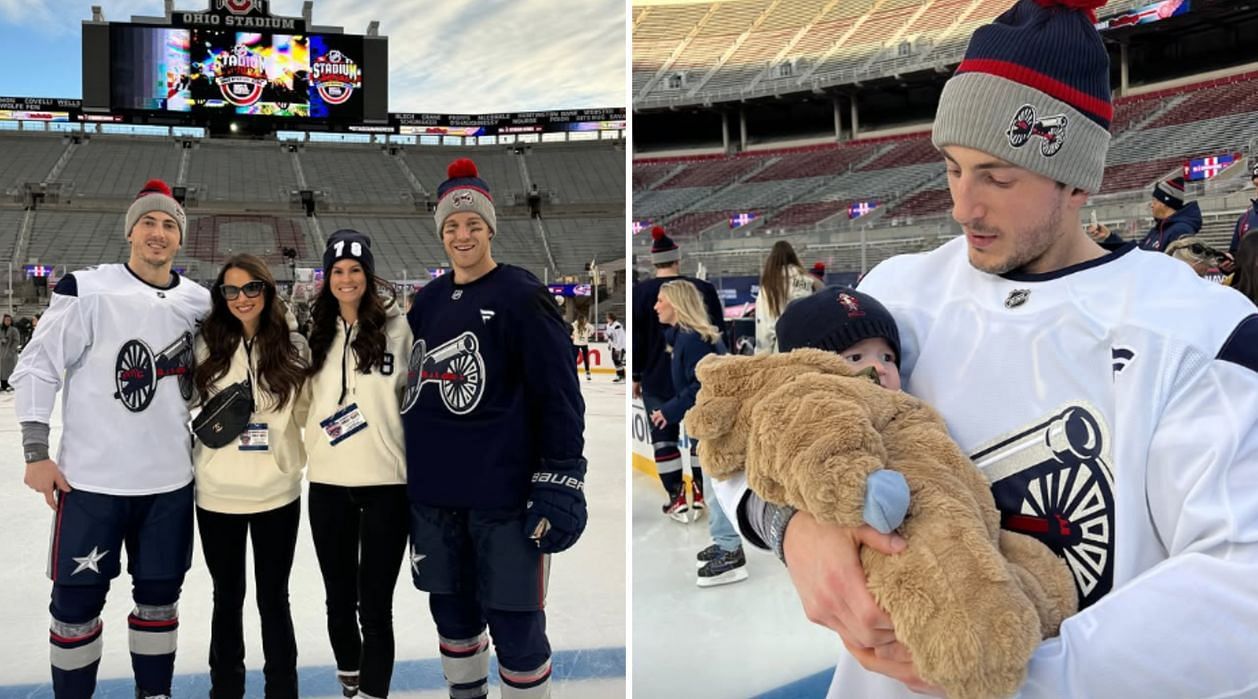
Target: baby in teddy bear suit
x: 825, y: 429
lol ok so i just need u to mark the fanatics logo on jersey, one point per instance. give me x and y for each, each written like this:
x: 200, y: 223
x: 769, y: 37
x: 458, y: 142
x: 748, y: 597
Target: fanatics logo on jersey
x: 1017, y: 297
x: 1122, y: 356
x: 485, y: 315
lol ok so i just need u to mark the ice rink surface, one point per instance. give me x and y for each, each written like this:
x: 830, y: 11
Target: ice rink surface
x: 746, y: 639
x: 585, y: 609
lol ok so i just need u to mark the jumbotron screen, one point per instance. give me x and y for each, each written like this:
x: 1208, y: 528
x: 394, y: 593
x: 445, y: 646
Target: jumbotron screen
x: 217, y: 70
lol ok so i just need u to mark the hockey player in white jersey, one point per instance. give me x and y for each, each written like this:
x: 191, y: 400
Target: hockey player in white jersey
x: 121, y: 335
x: 1111, y: 399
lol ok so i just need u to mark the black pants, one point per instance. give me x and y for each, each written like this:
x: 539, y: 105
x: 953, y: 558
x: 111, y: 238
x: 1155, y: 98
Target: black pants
x: 274, y: 537
x: 582, y: 352
x: 360, y: 537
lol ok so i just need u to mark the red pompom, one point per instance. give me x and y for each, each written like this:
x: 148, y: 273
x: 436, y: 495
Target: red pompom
x: 155, y: 187
x: 819, y: 266
x: 657, y: 233
x: 1089, y: 6
x: 463, y: 167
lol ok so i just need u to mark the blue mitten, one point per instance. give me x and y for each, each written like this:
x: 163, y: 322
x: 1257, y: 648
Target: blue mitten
x: 886, y: 500
x: 556, y: 512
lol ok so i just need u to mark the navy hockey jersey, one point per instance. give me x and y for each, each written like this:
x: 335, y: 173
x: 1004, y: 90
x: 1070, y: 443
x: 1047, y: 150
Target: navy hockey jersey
x: 650, y: 362
x: 492, y: 392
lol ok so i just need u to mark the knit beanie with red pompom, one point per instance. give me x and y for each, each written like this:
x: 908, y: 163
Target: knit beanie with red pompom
x: 464, y: 191
x: 1034, y: 91
x: 155, y: 196
x: 663, y: 249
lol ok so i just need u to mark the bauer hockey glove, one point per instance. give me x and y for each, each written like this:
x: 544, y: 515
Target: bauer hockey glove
x: 556, y: 514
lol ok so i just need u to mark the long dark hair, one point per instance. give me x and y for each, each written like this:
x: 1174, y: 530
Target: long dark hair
x: 1246, y: 278
x: 773, y: 278
x: 371, y: 343
x: 281, y: 368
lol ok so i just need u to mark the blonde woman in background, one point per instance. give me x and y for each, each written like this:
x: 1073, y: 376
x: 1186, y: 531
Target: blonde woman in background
x: 690, y: 337
x: 782, y: 280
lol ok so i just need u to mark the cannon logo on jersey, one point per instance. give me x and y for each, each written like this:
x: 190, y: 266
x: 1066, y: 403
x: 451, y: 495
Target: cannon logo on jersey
x: 1024, y: 126
x: 1052, y: 480
x: 335, y: 76
x: 457, y: 368
x: 137, y: 371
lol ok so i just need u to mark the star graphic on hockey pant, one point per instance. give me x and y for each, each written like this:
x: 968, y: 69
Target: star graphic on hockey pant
x: 89, y: 562
x: 416, y: 557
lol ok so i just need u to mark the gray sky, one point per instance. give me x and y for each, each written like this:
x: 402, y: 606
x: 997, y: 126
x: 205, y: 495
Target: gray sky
x: 447, y: 56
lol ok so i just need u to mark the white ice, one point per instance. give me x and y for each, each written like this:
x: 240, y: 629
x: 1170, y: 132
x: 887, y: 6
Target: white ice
x: 732, y: 641
x: 585, y: 609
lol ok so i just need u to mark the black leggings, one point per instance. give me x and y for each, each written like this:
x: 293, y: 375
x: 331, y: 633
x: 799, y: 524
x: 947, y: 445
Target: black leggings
x: 274, y: 536
x: 360, y: 537
x: 582, y: 352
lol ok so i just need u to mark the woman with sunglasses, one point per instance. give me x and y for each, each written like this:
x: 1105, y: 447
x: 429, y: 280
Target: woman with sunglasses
x: 251, y: 486
x: 351, y: 408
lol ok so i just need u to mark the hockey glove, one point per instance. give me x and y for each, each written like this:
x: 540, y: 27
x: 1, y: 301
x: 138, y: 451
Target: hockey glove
x: 556, y: 514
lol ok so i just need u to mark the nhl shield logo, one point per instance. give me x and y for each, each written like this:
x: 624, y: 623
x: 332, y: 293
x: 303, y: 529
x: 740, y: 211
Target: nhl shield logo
x: 1017, y: 297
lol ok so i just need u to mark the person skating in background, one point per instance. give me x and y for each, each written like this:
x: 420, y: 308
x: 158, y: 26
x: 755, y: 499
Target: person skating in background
x: 652, y: 374
x: 616, y: 342
x: 10, y: 345
x: 691, y: 337
x: 582, y: 331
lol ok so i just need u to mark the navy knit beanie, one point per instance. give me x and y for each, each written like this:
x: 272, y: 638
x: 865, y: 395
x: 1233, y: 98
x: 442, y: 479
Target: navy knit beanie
x: 834, y: 319
x: 1033, y: 90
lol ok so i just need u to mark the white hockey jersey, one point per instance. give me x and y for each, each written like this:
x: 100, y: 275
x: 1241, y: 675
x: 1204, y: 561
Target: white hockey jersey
x: 616, y: 336
x: 125, y: 349
x: 1114, y: 408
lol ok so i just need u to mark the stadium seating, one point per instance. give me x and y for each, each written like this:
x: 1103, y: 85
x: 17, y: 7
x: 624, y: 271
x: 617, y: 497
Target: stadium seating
x: 578, y: 175
x: 232, y: 171
x: 116, y: 168
x: 355, y: 175
x: 27, y: 158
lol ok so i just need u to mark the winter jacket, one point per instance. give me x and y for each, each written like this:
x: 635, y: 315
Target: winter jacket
x: 688, y: 348
x: 1186, y: 221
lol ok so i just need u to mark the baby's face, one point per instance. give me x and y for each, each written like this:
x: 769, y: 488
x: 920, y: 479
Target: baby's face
x: 875, y: 352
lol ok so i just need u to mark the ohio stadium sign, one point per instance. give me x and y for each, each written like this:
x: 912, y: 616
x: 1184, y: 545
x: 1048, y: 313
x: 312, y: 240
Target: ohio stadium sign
x: 238, y: 14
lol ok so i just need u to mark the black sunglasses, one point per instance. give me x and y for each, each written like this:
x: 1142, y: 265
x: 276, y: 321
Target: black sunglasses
x: 252, y: 290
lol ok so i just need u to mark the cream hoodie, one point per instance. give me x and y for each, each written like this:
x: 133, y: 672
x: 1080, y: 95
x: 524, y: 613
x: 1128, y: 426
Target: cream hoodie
x: 375, y: 455
x: 236, y: 481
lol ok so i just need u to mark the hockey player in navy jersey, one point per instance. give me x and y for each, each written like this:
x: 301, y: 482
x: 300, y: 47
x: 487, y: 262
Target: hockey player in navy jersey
x: 122, y: 337
x: 1111, y: 398
x: 652, y: 374
x: 495, y: 470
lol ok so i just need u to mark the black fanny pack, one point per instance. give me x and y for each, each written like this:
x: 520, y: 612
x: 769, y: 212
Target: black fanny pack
x: 224, y: 416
